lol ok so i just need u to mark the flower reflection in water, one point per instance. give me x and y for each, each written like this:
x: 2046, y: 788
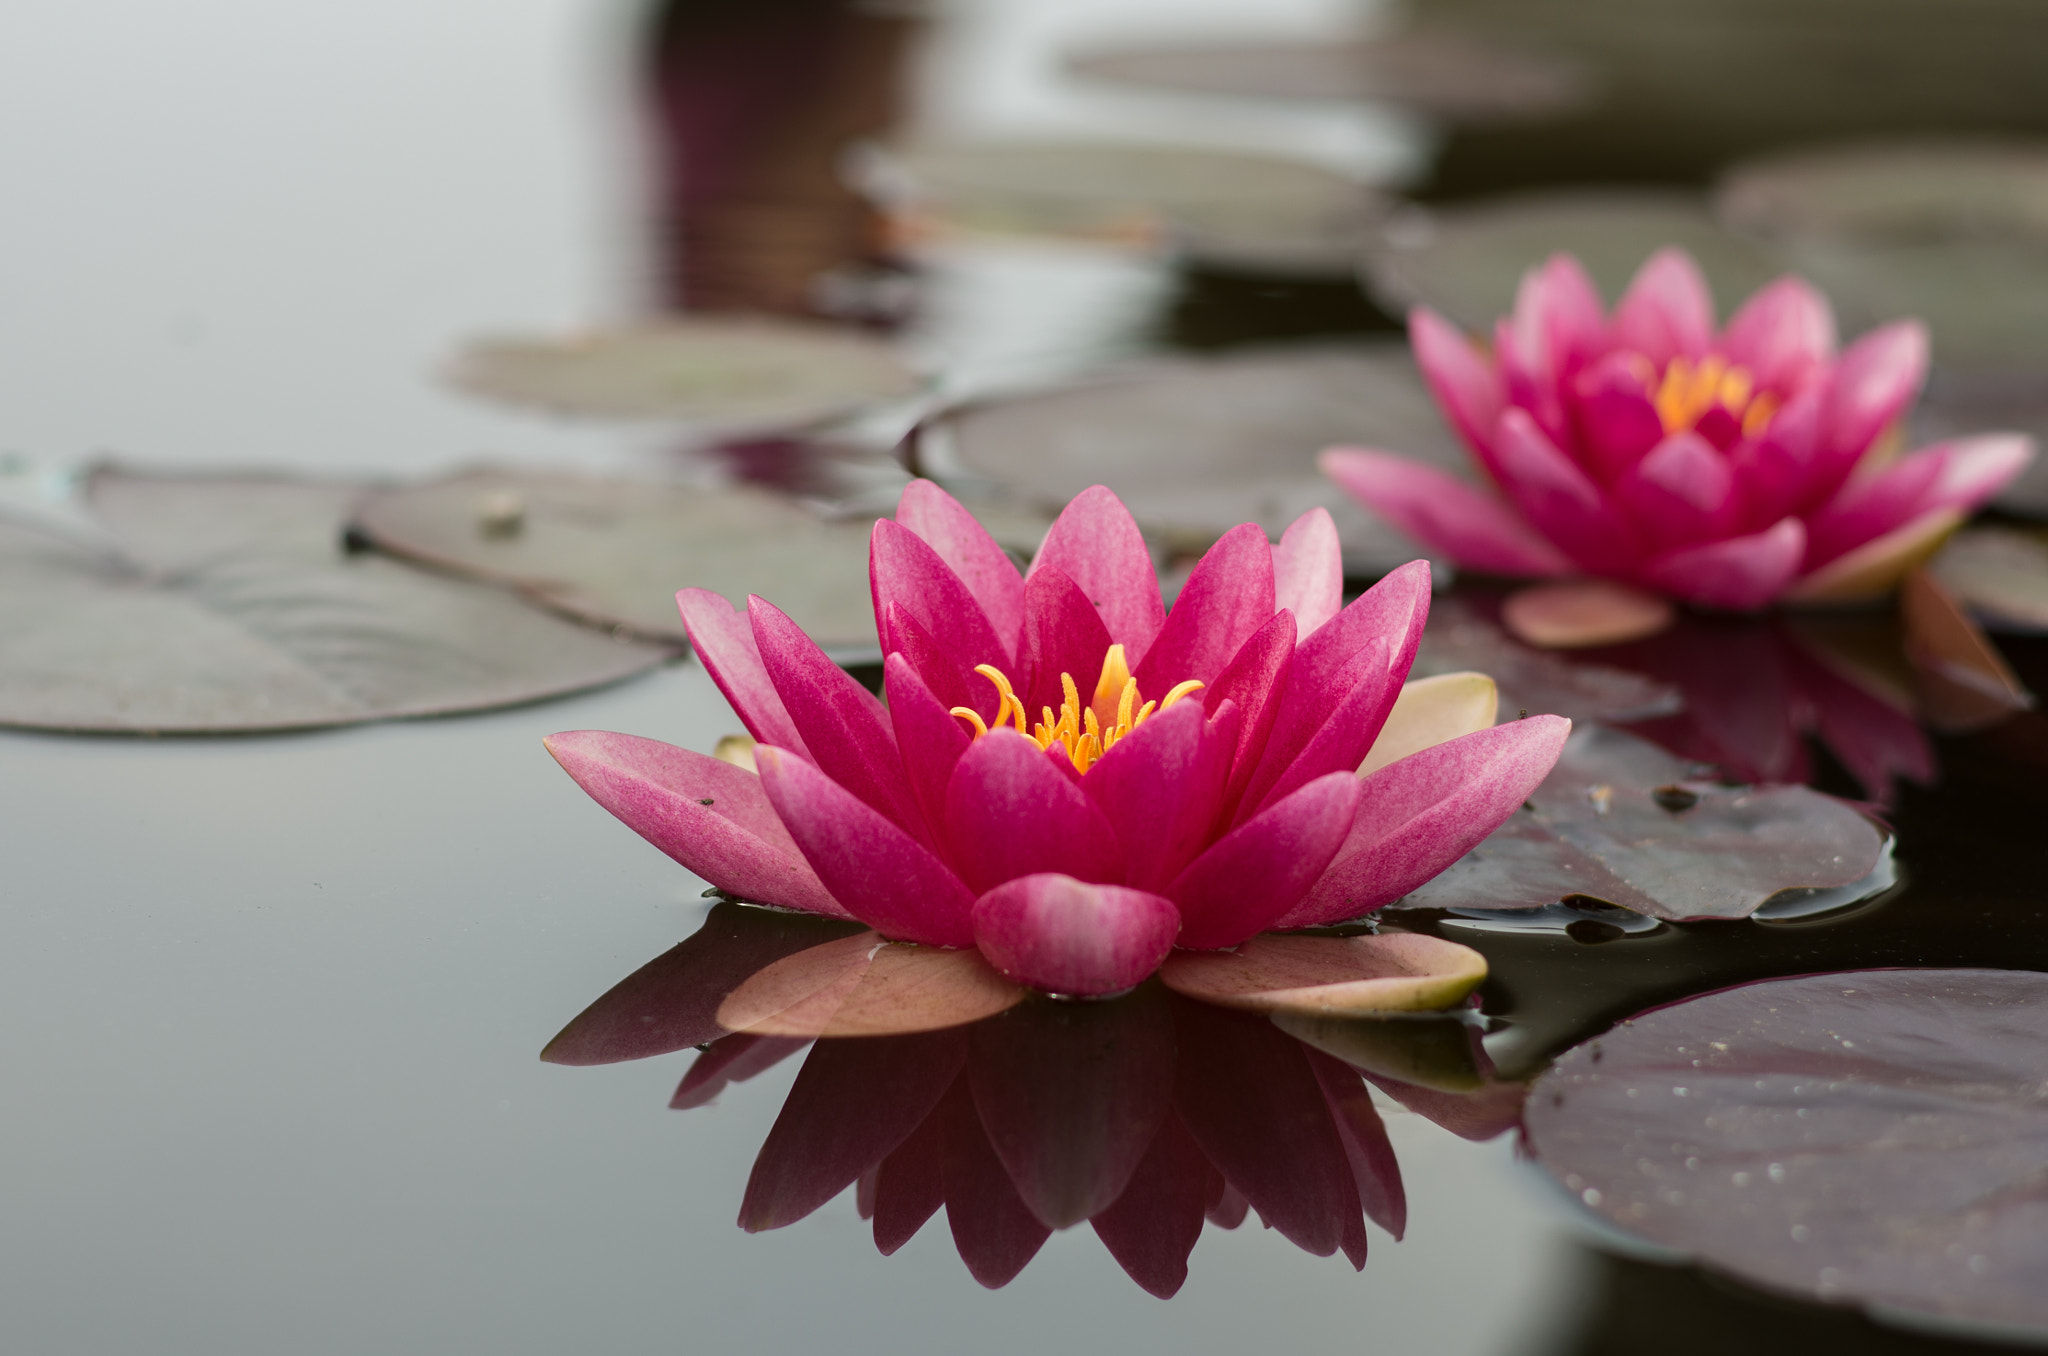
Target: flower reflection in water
x: 1146, y: 1116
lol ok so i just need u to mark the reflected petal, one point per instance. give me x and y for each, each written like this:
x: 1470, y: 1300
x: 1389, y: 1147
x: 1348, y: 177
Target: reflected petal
x: 995, y: 1233
x: 1156, y: 1222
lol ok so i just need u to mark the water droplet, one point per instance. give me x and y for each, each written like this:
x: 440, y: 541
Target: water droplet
x: 1591, y: 1196
x: 1979, y: 1264
x: 1741, y: 1179
x: 1800, y: 1233
x: 1777, y: 1172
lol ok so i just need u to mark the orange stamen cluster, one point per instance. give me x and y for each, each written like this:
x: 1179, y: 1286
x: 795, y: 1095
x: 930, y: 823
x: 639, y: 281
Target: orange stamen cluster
x: 1085, y: 732
x: 1689, y: 390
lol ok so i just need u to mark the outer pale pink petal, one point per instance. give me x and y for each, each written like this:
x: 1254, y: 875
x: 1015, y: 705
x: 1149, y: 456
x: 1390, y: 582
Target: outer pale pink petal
x: 1009, y: 813
x: 882, y: 875
x: 1339, y: 744
x: 1063, y: 633
x: 1417, y: 816
x: 1308, y: 570
x: 1255, y: 682
x: 1737, y: 574
x: 1466, y: 385
x: 1875, y: 381
x: 1258, y: 871
x: 905, y: 572
x: 930, y: 737
x: 1062, y: 935
x: 1667, y: 311
x: 965, y: 545
x: 1961, y: 475
x: 846, y: 729
x: 1682, y: 492
x: 1227, y: 598
x: 1160, y: 788
x: 1445, y: 514
x: 1557, y: 306
x: 1784, y: 334
x: 1616, y: 420
x: 723, y: 640
x: 712, y: 817
x: 1097, y: 545
x: 1560, y: 500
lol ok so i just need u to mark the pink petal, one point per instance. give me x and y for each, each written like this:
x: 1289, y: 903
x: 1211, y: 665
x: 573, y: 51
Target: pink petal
x: 865, y: 986
x: 733, y: 1059
x: 1875, y: 381
x: 1558, y: 317
x: 903, y: 571
x: 1447, y: 515
x: 954, y: 683
x: 1259, y: 870
x: 1010, y: 813
x: 879, y: 873
x: 1097, y: 545
x: 712, y: 817
x: 1308, y: 570
x: 1419, y: 815
x: 1561, y: 502
x: 1226, y: 599
x: 930, y: 737
x: 1063, y: 633
x: 1961, y: 474
x: 1616, y: 420
x: 910, y: 1186
x: 1066, y: 936
x: 994, y: 1231
x: 1784, y: 335
x: 843, y: 725
x: 1161, y: 787
x: 1737, y: 574
x: 1667, y: 311
x: 1775, y: 470
x: 1681, y: 492
x: 1343, y: 740
x: 1154, y: 1225
x: 1465, y: 384
x: 1374, y: 1169
x: 965, y: 545
x: 1254, y: 682
x: 723, y: 641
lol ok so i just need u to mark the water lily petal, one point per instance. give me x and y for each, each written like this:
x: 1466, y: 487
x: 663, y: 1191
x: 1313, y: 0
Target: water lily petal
x: 1063, y: 633
x: 994, y: 1231
x: 1876, y: 567
x: 940, y: 667
x: 930, y: 737
x: 1254, y: 683
x: 1308, y: 570
x: 1682, y: 491
x: 1557, y: 317
x: 876, y: 871
x: 1430, y: 711
x: 1576, y: 614
x: 852, y: 1103
x: 1095, y: 543
x: 722, y: 638
x: 1667, y: 311
x: 1784, y: 334
x: 712, y: 817
x: 1419, y: 815
x: 945, y: 525
x: 1256, y: 872
x: 1481, y: 1115
x: 1343, y: 740
x: 1161, y: 788
x: 1374, y: 1170
x: 1558, y: 498
x: 1153, y: 1227
x: 1775, y: 472
x: 1735, y: 574
x: 864, y: 986
x: 1467, y: 387
x: 1330, y: 976
x: 904, y: 571
x: 843, y: 725
x: 1615, y: 416
x: 1964, y: 682
x: 910, y: 1185
x: 1010, y: 813
x: 1874, y: 382
x: 731, y: 1059
x: 1449, y: 516
x: 1066, y: 936
x: 1227, y: 598
x: 1960, y: 474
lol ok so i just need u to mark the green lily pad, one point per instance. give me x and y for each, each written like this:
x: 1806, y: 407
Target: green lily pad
x: 208, y: 605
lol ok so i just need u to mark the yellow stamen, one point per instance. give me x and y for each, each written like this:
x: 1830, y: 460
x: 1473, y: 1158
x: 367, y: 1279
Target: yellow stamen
x: 1008, y: 707
x: 1116, y: 671
x: 1084, y: 732
x: 1180, y: 690
x: 1687, y: 391
x: 972, y: 717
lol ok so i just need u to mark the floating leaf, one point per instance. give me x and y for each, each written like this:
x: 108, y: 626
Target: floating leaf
x: 615, y: 552
x: 1459, y: 637
x: 2000, y: 574
x: 865, y: 986
x: 1196, y: 446
x: 1964, y: 683
x: 1577, y: 614
x: 1620, y: 820
x: 734, y: 372
x: 205, y: 605
x: 1468, y: 261
x: 1331, y: 976
x: 1875, y: 1136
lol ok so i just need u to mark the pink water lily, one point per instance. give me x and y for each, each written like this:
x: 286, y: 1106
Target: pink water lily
x: 1729, y: 468
x: 1067, y: 776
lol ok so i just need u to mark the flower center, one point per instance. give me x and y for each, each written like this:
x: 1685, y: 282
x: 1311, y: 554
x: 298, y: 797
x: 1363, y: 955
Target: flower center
x: 1085, y: 732
x: 1689, y: 392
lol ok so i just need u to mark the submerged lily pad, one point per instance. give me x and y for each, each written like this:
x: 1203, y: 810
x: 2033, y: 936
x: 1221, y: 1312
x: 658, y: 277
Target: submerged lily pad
x: 740, y: 372
x: 1196, y: 446
x: 1874, y: 1136
x: 1622, y: 821
x: 615, y: 552
x: 205, y: 605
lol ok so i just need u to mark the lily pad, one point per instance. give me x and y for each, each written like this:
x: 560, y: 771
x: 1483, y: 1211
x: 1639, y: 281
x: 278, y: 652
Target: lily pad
x: 2000, y: 574
x: 197, y: 605
x: 614, y: 552
x: 1622, y: 821
x: 1467, y: 261
x: 1196, y: 445
x: 1577, y: 614
x: 1460, y: 637
x: 1329, y: 976
x: 731, y: 372
x: 1873, y: 1136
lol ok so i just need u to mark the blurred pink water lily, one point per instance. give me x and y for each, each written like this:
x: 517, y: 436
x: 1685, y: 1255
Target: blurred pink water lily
x: 1191, y: 778
x: 1729, y: 468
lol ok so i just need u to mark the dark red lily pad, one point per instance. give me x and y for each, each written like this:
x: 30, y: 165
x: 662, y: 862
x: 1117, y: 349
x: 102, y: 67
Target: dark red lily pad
x: 196, y: 605
x: 1461, y: 638
x: 1620, y: 820
x: 1874, y: 1136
